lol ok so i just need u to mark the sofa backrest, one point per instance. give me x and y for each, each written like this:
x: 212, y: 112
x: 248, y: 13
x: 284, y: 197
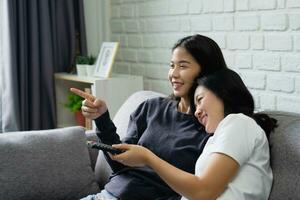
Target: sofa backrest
x: 121, y: 118
x: 285, y: 156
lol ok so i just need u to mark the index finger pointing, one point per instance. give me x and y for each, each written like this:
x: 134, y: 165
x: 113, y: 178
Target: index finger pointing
x: 83, y: 94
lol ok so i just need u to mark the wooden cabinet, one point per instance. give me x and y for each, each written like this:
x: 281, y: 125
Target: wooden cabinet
x: 114, y: 91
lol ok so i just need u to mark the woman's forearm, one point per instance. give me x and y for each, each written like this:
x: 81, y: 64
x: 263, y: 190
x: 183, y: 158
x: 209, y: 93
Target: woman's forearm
x: 219, y: 171
x: 184, y: 183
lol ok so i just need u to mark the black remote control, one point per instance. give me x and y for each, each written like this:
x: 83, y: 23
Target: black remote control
x: 104, y: 147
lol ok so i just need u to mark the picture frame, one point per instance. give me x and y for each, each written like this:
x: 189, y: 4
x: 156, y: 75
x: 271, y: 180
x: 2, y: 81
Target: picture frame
x: 106, y: 59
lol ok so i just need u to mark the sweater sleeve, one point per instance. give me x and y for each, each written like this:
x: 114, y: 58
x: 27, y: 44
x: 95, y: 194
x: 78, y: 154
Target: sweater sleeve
x: 107, y: 131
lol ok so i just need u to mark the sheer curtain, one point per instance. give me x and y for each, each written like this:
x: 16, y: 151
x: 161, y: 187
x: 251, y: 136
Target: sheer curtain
x: 9, y: 120
x: 1, y: 60
x: 38, y: 39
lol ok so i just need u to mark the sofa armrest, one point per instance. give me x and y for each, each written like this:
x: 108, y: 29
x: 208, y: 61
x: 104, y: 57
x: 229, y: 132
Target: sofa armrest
x: 91, y: 135
x: 49, y: 163
x: 98, y: 160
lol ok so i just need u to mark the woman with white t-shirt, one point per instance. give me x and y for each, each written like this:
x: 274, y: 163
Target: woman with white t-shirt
x: 235, y: 162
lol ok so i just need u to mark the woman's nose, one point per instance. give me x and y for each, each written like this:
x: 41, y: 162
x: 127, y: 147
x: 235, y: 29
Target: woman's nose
x: 197, y: 112
x: 175, y: 72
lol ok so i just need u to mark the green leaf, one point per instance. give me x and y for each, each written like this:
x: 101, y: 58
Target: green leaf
x: 82, y: 60
x: 85, y: 60
x: 74, y: 102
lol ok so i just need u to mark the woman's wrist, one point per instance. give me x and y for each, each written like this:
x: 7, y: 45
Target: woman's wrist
x: 150, y: 158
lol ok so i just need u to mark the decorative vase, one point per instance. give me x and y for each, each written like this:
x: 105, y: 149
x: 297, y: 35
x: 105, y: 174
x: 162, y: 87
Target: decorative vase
x: 81, y: 70
x: 80, y: 119
x: 90, y: 70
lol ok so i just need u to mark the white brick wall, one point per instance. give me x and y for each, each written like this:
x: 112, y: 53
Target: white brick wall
x: 259, y: 38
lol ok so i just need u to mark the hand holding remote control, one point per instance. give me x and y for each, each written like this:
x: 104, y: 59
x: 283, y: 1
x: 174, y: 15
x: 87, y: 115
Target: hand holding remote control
x: 104, y: 147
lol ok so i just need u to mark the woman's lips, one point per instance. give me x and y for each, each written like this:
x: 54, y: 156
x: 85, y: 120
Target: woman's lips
x: 203, y: 119
x: 177, y: 85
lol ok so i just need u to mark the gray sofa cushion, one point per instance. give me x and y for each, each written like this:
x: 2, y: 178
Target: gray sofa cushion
x: 49, y: 164
x: 285, y: 156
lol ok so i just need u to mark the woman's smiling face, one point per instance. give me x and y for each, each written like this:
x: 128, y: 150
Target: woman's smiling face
x: 209, y: 109
x: 183, y: 71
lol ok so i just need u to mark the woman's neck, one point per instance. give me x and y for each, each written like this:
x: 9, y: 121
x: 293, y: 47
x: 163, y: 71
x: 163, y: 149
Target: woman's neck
x: 184, y: 106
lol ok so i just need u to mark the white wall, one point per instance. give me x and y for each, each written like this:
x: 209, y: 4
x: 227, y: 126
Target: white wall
x: 97, y: 14
x: 259, y: 38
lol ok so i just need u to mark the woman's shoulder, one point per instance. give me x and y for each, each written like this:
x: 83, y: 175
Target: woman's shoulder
x: 159, y: 101
x: 238, y: 122
x: 159, y: 104
x: 242, y: 124
x: 239, y: 119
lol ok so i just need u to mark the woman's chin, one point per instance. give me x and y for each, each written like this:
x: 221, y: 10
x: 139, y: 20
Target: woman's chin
x: 209, y: 130
x: 177, y: 93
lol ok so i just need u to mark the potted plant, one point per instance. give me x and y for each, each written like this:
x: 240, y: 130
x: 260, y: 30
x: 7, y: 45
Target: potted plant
x: 85, y: 65
x: 90, y: 68
x: 81, y: 62
x: 74, y: 105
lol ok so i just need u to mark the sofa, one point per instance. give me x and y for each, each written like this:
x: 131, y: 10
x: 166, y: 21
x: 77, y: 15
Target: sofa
x: 57, y: 164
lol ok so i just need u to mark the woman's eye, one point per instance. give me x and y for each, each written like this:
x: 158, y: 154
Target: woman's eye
x: 199, y: 100
x: 172, y: 65
x: 182, y: 66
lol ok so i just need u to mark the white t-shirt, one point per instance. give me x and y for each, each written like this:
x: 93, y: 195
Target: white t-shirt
x: 241, y: 138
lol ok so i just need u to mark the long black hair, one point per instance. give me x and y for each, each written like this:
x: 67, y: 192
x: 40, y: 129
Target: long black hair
x: 206, y: 52
x: 228, y: 86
